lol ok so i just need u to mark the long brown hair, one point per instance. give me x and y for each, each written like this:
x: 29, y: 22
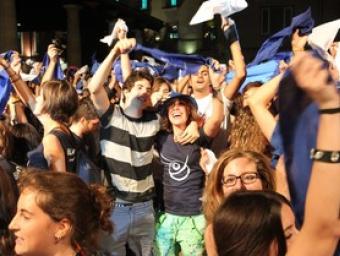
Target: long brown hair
x: 245, y: 133
x: 213, y: 191
x: 6, y: 141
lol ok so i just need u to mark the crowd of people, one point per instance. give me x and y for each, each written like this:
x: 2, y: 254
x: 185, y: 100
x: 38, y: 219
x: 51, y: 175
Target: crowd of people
x: 122, y: 161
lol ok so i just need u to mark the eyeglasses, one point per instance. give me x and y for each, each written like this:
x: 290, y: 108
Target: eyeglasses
x: 246, y: 178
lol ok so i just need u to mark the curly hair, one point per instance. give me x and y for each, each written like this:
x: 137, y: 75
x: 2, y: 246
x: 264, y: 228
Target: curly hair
x: 213, y: 192
x: 65, y: 195
x: 6, y: 141
x: 245, y: 133
x: 8, y: 200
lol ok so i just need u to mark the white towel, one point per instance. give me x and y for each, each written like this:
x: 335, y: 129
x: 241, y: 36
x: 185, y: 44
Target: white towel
x: 224, y: 7
x: 120, y: 24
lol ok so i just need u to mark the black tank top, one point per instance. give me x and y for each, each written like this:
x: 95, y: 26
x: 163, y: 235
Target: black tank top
x: 68, y: 143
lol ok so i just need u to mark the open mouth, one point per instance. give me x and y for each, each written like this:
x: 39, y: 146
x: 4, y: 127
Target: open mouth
x: 142, y: 98
x: 176, y: 115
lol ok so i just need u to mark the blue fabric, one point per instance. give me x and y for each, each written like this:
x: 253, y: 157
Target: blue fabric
x: 79, y: 86
x: 175, y: 62
x: 298, y: 125
x: 5, y: 90
x: 277, y: 145
x: 58, y: 72
x: 7, y: 55
x: 269, y: 48
x: 173, y: 65
x: 95, y: 64
x: 259, y: 73
x: 154, y: 70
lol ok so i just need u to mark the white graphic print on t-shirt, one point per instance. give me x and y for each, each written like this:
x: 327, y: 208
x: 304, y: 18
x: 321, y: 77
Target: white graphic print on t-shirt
x: 178, y: 170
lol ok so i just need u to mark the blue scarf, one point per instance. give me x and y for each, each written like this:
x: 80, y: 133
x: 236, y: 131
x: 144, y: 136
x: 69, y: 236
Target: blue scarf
x: 5, y: 90
x: 270, y: 47
x: 298, y: 127
x: 58, y: 72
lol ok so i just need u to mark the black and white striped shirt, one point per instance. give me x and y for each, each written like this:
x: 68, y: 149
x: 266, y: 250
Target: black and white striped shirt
x: 127, y: 148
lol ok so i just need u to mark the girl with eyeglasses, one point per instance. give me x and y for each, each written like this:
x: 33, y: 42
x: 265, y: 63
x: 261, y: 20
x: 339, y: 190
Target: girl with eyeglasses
x: 234, y: 170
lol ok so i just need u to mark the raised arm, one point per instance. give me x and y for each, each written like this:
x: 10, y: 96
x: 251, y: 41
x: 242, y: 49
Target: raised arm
x: 258, y: 103
x: 52, y: 53
x: 212, y: 124
x: 320, y: 232
x: 124, y: 57
x: 21, y: 88
x: 96, y: 85
x: 240, y: 67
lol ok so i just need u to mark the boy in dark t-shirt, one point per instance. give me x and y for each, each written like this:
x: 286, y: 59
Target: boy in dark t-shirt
x: 183, y: 179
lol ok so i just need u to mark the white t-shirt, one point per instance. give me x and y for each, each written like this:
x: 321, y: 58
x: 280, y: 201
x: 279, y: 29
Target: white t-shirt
x: 205, y: 109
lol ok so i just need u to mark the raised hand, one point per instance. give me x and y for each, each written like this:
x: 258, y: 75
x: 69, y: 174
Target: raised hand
x: 312, y: 75
x: 52, y: 52
x: 125, y: 45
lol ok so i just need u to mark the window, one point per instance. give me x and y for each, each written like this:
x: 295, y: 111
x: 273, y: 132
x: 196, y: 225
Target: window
x: 172, y: 3
x: 173, y: 35
x: 144, y: 5
x: 275, y: 18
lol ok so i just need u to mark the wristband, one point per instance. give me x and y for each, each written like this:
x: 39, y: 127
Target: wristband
x: 329, y: 111
x: 231, y: 34
x: 14, y: 78
x: 325, y: 156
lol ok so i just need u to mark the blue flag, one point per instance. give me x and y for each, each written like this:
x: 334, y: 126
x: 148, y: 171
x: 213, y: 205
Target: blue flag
x: 5, y: 89
x: 58, y: 72
x: 270, y: 47
x: 186, y: 64
x: 298, y: 126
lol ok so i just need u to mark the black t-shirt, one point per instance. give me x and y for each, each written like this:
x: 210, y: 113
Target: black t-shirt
x: 183, y: 178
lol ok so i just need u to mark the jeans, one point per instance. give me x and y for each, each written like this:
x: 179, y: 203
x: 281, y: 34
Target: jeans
x: 132, y: 225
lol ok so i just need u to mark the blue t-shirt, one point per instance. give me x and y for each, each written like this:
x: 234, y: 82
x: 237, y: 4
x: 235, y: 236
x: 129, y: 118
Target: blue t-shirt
x: 183, y: 178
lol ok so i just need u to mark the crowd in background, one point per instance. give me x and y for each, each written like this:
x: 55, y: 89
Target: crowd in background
x: 179, y: 156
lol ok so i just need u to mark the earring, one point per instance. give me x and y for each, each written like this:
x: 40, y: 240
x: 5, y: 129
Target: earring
x: 57, y: 238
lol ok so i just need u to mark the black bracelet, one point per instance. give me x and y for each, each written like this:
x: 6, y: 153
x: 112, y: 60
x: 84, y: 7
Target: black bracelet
x: 329, y: 111
x: 231, y: 34
x: 332, y: 157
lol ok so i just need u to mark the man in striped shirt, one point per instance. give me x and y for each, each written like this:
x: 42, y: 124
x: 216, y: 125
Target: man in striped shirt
x: 127, y: 137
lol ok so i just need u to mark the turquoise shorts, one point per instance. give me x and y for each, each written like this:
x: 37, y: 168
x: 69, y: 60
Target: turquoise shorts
x: 185, y: 231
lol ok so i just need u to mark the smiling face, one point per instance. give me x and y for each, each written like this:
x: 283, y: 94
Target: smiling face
x: 34, y: 230
x: 139, y: 95
x: 237, y: 167
x: 164, y: 89
x: 178, y: 113
x: 200, y: 82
